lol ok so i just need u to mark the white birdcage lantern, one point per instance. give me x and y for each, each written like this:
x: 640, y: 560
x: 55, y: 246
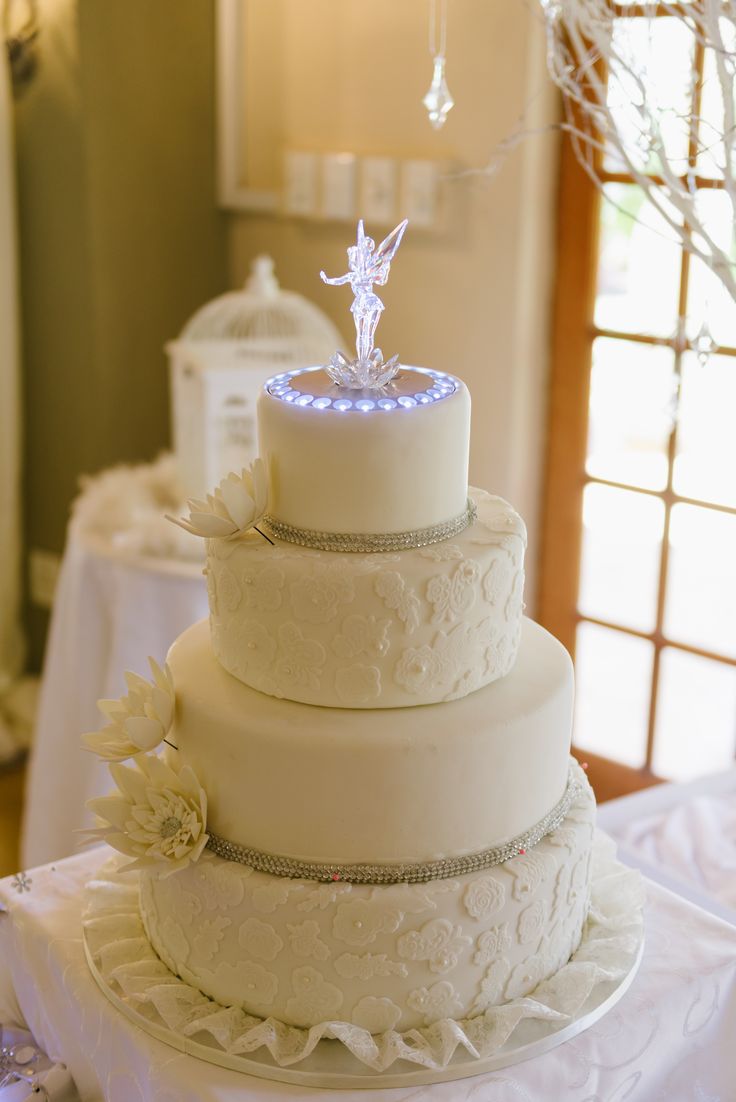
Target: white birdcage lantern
x: 219, y: 363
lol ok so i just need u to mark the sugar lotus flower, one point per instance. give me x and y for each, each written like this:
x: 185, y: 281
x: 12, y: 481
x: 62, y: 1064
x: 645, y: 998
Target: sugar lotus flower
x: 237, y: 504
x: 158, y: 816
x: 139, y: 721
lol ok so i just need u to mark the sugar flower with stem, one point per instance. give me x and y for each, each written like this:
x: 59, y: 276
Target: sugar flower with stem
x: 236, y: 506
x: 158, y: 816
x: 138, y: 721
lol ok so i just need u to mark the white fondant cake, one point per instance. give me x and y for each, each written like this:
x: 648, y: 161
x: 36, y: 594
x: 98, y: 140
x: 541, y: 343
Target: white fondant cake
x: 374, y: 740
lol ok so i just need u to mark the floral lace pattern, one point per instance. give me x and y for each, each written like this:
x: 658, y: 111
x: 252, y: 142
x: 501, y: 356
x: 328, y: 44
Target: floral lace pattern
x: 361, y: 631
x: 438, y: 942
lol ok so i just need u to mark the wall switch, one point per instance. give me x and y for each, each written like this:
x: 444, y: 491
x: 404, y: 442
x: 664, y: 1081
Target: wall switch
x: 419, y: 192
x: 44, y: 567
x: 300, y: 183
x: 338, y: 185
x: 378, y: 189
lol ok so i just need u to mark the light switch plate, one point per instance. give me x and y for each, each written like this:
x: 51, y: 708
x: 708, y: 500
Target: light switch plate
x: 339, y: 172
x: 378, y: 189
x: 418, y: 199
x: 300, y: 183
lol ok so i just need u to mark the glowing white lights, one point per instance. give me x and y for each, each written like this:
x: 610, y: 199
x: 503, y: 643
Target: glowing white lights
x: 286, y: 387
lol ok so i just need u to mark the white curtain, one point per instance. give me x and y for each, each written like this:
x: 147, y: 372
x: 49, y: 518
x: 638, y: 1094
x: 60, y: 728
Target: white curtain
x: 11, y: 635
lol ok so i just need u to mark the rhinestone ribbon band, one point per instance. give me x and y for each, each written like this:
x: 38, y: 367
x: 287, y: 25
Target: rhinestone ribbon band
x: 400, y: 874
x: 373, y: 541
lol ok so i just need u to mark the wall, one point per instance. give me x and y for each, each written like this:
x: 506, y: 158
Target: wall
x: 120, y: 238
x: 474, y: 297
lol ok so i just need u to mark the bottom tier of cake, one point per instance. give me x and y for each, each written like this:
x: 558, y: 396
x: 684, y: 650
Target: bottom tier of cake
x: 383, y: 957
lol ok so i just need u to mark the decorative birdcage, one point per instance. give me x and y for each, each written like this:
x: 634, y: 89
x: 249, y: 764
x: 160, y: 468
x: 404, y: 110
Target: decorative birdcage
x: 219, y: 363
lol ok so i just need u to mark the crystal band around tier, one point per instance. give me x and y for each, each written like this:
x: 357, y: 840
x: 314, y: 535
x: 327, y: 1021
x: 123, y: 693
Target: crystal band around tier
x: 413, y: 873
x: 373, y: 541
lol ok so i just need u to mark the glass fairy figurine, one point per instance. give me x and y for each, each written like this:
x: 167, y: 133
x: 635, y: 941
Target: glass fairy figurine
x: 368, y: 265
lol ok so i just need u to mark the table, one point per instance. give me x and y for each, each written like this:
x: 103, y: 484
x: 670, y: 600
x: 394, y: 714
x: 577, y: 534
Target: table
x: 670, y: 1039
x: 113, y: 608
x: 683, y: 836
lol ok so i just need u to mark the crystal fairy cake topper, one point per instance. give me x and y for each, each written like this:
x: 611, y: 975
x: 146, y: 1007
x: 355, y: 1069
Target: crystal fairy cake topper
x: 367, y: 265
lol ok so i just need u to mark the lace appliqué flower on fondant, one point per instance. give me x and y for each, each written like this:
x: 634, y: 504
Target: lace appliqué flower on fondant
x: 365, y: 967
x: 362, y: 635
x: 439, y: 1001
x: 221, y: 883
x: 358, y: 684
x: 376, y: 1015
x: 229, y: 594
x: 257, y: 984
x: 440, y: 666
x: 484, y: 896
x: 323, y: 896
x: 256, y: 648
x: 301, y: 660
x: 515, y: 600
x: 175, y: 941
x: 317, y: 597
x: 493, y: 581
x: 398, y: 596
x: 260, y: 939
x: 359, y: 922
x: 527, y: 975
x: 531, y: 923
x: 491, y: 944
x: 441, y: 552
x: 305, y: 940
x: 262, y: 589
x: 529, y: 871
x: 273, y: 892
x: 211, y: 932
x: 438, y: 942
x: 451, y: 597
x: 315, y: 1000
x: 492, y: 985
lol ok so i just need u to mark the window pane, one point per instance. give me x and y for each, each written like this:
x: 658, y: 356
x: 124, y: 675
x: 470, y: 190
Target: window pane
x: 638, y: 266
x: 631, y: 403
x: 707, y: 299
x: 619, y: 572
x: 705, y: 466
x: 696, y: 716
x: 701, y: 583
x: 651, y: 65
x: 613, y: 673
x: 712, y: 154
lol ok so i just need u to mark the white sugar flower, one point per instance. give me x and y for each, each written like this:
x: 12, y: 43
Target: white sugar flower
x: 139, y: 721
x: 158, y: 816
x: 237, y: 504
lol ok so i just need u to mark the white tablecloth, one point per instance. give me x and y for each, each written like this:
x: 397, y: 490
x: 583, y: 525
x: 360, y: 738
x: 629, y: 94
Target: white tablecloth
x: 111, y: 612
x: 670, y: 1039
x: 683, y: 836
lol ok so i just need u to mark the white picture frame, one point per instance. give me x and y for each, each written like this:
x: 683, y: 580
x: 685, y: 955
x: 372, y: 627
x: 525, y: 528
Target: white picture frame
x: 233, y: 192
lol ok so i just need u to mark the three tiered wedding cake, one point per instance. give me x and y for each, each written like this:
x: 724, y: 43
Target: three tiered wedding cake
x: 394, y: 837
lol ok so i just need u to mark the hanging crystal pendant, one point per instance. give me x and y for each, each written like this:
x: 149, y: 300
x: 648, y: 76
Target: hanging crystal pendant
x: 703, y: 344
x: 438, y: 100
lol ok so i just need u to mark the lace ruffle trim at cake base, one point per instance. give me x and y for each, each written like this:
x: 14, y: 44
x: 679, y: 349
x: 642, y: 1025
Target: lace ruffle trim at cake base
x: 129, y: 971
x: 408, y: 872
x: 373, y: 541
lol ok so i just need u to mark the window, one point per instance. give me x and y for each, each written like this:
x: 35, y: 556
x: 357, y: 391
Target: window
x: 638, y: 572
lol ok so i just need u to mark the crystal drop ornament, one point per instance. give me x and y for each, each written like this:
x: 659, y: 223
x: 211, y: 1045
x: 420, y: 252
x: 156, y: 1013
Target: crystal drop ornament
x: 438, y: 99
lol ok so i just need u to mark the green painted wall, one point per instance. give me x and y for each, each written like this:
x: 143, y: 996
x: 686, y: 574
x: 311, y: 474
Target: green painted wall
x: 120, y: 236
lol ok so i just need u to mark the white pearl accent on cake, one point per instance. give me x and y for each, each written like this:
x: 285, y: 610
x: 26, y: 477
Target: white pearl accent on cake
x: 371, y: 469
x: 346, y: 630
x: 407, y: 784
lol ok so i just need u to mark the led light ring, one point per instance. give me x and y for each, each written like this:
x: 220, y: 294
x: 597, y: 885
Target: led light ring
x: 282, y: 387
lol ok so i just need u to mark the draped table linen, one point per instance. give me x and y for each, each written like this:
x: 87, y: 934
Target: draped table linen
x: 683, y: 836
x: 112, y: 610
x: 670, y: 1038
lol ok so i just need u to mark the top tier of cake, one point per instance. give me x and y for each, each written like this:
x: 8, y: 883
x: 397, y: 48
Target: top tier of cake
x: 366, y: 462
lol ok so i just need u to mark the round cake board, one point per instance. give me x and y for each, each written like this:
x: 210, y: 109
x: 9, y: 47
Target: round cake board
x: 332, y: 1066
